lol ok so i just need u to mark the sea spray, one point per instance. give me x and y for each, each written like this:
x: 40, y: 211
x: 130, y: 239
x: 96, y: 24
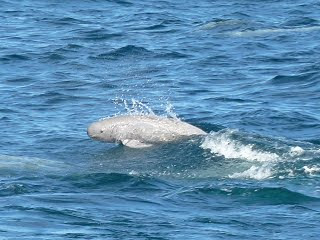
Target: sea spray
x: 139, y: 107
x: 132, y: 107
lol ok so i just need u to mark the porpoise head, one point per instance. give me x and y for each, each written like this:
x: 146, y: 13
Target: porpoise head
x: 102, y: 131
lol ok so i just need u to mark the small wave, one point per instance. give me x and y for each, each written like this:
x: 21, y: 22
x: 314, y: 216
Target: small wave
x: 54, y: 97
x: 66, y: 21
x: 7, y: 110
x: 54, y: 56
x: 255, y: 172
x: 73, y: 46
x: 92, y: 180
x: 229, y: 99
x: 120, y: 181
x: 264, y: 195
x: 172, y: 55
x: 122, y: 2
x: 301, y: 21
x: 127, y: 51
x: 14, y: 57
x: 11, y: 189
x: 301, y: 78
x: 158, y: 26
x: 132, y: 51
x: 68, y: 48
x: 252, y: 33
x: 99, y: 35
x: 19, y: 80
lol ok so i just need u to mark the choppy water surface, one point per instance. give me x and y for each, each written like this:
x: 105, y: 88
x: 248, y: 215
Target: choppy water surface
x: 246, y: 72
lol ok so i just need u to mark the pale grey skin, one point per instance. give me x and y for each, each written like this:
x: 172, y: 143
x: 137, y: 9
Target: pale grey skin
x: 139, y: 131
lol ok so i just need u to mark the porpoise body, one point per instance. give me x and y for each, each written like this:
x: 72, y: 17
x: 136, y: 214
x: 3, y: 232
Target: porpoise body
x: 139, y: 131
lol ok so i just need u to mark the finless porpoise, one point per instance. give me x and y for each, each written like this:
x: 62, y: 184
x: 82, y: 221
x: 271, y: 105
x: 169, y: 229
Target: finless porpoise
x: 138, y: 131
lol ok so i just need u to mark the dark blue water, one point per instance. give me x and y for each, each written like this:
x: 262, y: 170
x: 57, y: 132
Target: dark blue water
x: 247, y: 72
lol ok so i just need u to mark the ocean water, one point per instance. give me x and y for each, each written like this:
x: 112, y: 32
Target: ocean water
x: 247, y: 72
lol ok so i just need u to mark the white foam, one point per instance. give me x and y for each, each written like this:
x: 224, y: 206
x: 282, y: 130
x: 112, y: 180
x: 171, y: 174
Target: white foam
x: 134, y: 173
x: 254, y: 172
x: 221, y: 143
x: 296, y: 151
x: 311, y: 170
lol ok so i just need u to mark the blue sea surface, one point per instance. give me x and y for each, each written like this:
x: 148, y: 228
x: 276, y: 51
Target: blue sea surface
x: 246, y: 72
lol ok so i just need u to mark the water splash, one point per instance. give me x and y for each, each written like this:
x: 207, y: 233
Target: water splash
x: 133, y: 107
x: 170, y: 111
x: 138, y: 107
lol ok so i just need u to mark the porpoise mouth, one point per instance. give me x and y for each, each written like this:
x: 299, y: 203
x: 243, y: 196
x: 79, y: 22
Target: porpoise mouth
x: 92, y: 131
x: 95, y: 132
